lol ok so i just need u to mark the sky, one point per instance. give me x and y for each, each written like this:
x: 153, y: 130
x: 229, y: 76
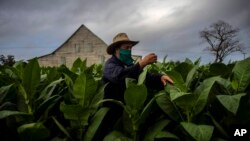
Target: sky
x: 32, y: 28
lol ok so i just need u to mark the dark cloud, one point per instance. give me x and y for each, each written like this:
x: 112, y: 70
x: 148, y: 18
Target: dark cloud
x: 163, y: 26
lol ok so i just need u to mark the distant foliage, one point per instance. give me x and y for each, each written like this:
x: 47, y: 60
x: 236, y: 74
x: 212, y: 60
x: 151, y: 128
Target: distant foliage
x: 9, y: 60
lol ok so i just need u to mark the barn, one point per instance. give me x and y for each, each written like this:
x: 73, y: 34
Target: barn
x: 83, y: 44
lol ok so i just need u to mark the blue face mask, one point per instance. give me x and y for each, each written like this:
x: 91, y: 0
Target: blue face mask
x: 126, y: 57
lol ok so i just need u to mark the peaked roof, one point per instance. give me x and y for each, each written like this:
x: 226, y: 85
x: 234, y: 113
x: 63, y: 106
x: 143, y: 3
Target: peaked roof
x: 82, y: 26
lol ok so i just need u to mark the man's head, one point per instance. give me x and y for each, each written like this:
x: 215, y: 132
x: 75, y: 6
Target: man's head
x: 121, y: 40
x: 123, y: 46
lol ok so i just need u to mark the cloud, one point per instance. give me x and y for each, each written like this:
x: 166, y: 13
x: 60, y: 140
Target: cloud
x: 162, y: 26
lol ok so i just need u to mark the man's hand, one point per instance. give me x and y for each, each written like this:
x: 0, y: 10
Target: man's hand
x: 148, y: 59
x: 165, y: 79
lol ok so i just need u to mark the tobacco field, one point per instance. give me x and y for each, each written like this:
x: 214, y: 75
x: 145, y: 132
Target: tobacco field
x: 206, y: 102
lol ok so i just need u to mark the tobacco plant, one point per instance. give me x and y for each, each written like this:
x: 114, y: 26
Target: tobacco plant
x: 206, y: 102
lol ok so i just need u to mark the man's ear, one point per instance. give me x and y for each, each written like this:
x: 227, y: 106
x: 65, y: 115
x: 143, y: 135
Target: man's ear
x: 117, y: 52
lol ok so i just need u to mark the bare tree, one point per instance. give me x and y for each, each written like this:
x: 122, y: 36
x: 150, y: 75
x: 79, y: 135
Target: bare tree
x: 222, y: 40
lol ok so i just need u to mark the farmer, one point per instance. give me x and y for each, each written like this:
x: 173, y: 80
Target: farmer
x: 121, y: 66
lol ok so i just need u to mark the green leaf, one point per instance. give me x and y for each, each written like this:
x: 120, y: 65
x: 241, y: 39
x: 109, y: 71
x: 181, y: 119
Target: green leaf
x: 165, y: 134
x: 47, y: 104
x: 168, y: 106
x: 47, y: 91
x: 119, y: 103
x: 148, y: 108
x: 231, y: 102
x: 183, y: 68
x: 198, y: 132
x: 202, y: 93
x: 23, y: 101
x: 142, y: 77
x: 4, y: 91
x: 69, y: 82
x: 53, y: 74
x: 216, y: 69
x: 224, y: 82
x: 218, y: 126
x: 77, y: 113
x: 185, y: 102
x: 33, y: 132
x: 241, y: 74
x: 19, y: 66
x: 175, y: 94
x: 94, y: 125
x: 135, y: 96
x: 78, y: 66
x: 116, y: 136
x: 79, y: 89
x: 130, y: 81
x: 60, y: 126
x: 98, y: 96
x: 6, y: 113
x: 90, y: 69
x: 197, y: 62
x: 190, y: 76
x: 91, y: 89
x: 7, y: 106
x: 165, y: 59
x: 84, y: 88
x: 188, y: 61
x: 235, y: 85
x: 31, y: 78
x: 71, y: 112
x: 178, y: 81
x: 155, y: 129
x: 64, y: 70
x: 12, y: 73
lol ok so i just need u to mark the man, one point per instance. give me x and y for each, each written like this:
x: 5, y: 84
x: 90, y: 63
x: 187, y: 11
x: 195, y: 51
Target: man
x: 120, y: 66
